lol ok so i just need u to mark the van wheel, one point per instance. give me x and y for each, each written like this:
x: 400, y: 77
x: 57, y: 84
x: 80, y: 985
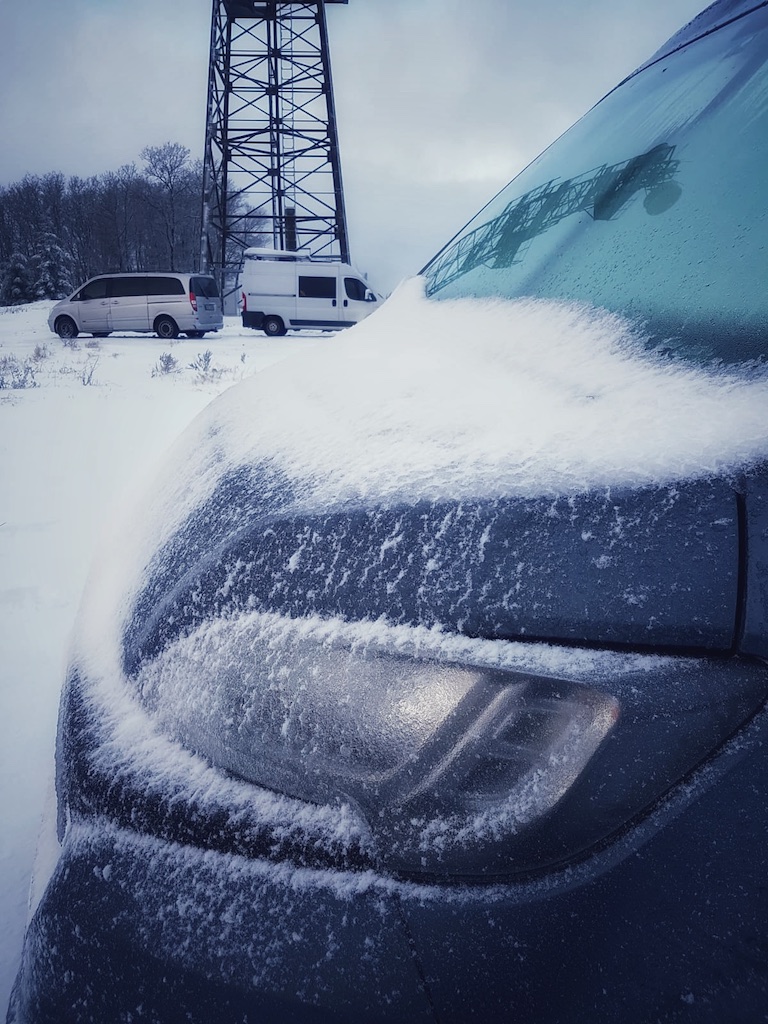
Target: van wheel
x: 273, y: 326
x: 66, y: 328
x: 166, y: 328
x: 195, y: 334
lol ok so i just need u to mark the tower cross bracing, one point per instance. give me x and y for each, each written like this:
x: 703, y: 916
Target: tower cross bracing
x: 272, y: 173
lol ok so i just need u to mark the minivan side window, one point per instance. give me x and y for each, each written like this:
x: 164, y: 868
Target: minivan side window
x: 163, y: 286
x: 355, y: 289
x: 317, y: 287
x: 123, y: 287
x: 93, y: 290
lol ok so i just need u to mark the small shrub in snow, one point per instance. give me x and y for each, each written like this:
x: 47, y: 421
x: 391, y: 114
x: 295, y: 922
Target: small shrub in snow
x: 16, y: 375
x: 70, y: 343
x: 41, y: 352
x: 86, y: 376
x: 92, y: 343
x: 203, y: 361
x: 165, y: 364
x: 203, y: 366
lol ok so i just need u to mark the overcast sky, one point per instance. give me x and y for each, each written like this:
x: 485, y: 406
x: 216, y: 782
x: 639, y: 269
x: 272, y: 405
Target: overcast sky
x: 439, y: 102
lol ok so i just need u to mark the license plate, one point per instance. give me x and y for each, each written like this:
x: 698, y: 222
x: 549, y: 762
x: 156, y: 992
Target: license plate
x: 210, y: 306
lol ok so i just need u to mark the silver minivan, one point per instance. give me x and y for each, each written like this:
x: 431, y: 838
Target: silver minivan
x: 168, y: 304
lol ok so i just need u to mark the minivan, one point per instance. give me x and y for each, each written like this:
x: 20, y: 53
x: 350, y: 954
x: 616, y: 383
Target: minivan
x: 166, y: 303
x: 283, y: 290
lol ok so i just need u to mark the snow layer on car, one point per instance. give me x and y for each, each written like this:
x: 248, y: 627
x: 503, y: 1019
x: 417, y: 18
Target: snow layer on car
x: 428, y: 400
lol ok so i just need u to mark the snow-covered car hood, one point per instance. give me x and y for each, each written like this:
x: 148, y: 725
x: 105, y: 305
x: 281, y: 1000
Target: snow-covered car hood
x: 476, y: 399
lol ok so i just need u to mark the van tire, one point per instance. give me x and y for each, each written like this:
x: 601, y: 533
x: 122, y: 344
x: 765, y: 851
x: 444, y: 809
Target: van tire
x: 66, y: 328
x: 273, y: 326
x: 166, y: 328
x: 195, y: 334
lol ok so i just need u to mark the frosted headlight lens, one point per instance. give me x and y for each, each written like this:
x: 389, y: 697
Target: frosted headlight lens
x: 438, y: 757
x: 297, y: 715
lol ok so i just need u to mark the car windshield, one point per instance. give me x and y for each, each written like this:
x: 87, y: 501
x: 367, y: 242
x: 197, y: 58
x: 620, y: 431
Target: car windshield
x: 652, y: 206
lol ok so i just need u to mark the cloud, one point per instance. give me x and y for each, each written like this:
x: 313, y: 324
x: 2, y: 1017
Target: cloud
x: 88, y: 86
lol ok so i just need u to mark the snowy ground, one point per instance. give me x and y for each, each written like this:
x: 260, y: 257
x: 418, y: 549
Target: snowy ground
x: 72, y: 448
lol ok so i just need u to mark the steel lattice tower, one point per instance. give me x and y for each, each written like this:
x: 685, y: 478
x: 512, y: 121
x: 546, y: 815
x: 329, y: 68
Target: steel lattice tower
x: 272, y: 174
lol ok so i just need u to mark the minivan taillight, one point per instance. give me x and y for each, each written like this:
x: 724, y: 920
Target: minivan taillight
x: 193, y: 301
x: 243, y: 303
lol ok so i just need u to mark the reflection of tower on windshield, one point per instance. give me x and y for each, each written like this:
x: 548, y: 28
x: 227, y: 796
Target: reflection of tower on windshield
x: 650, y: 172
x: 602, y: 194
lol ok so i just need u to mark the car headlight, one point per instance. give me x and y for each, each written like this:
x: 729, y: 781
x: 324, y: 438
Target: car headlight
x: 456, y: 767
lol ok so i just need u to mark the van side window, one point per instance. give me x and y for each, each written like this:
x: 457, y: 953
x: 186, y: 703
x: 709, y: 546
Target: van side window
x: 122, y: 287
x: 317, y: 287
x: 164, y: 286
x: 355, y: 289
x: 94, y: 289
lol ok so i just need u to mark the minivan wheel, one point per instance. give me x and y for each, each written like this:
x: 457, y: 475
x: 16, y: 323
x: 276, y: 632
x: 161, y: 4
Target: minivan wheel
x: 273, y: 326
x: 166, y: 328
x: 66, y: 328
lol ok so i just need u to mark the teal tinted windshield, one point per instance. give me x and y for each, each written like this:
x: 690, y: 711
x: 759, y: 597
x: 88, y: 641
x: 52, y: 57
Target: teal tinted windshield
x: 654, y: 205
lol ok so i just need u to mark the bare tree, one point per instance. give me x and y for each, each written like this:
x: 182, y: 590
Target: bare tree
x: 168, y: 167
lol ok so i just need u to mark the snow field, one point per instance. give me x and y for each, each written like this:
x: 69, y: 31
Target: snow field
x: 71, y: 455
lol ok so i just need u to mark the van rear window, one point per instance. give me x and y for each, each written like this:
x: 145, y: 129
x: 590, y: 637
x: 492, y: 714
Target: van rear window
x: 205, y: 286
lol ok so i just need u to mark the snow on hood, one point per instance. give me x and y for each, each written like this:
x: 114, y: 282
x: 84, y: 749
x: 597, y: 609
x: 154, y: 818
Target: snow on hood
x: 475, y: 398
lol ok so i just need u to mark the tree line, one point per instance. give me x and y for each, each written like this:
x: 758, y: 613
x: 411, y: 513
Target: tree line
x: 56, y: 232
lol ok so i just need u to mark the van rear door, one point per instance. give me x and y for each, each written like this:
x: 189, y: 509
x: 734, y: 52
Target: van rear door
x: 317, y: 300
x: 206, y: 297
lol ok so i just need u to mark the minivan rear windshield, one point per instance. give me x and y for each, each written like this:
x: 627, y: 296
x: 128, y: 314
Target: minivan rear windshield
x: 205, y: 286
x: 652, y: 205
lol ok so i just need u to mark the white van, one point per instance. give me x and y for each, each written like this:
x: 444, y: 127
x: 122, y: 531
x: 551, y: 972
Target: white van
x: 168, y: 304
x: 284, y: 290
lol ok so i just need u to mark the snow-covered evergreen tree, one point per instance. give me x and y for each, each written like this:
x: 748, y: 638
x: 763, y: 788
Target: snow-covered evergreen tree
x: 14, y: 283
x: 50, y: 269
